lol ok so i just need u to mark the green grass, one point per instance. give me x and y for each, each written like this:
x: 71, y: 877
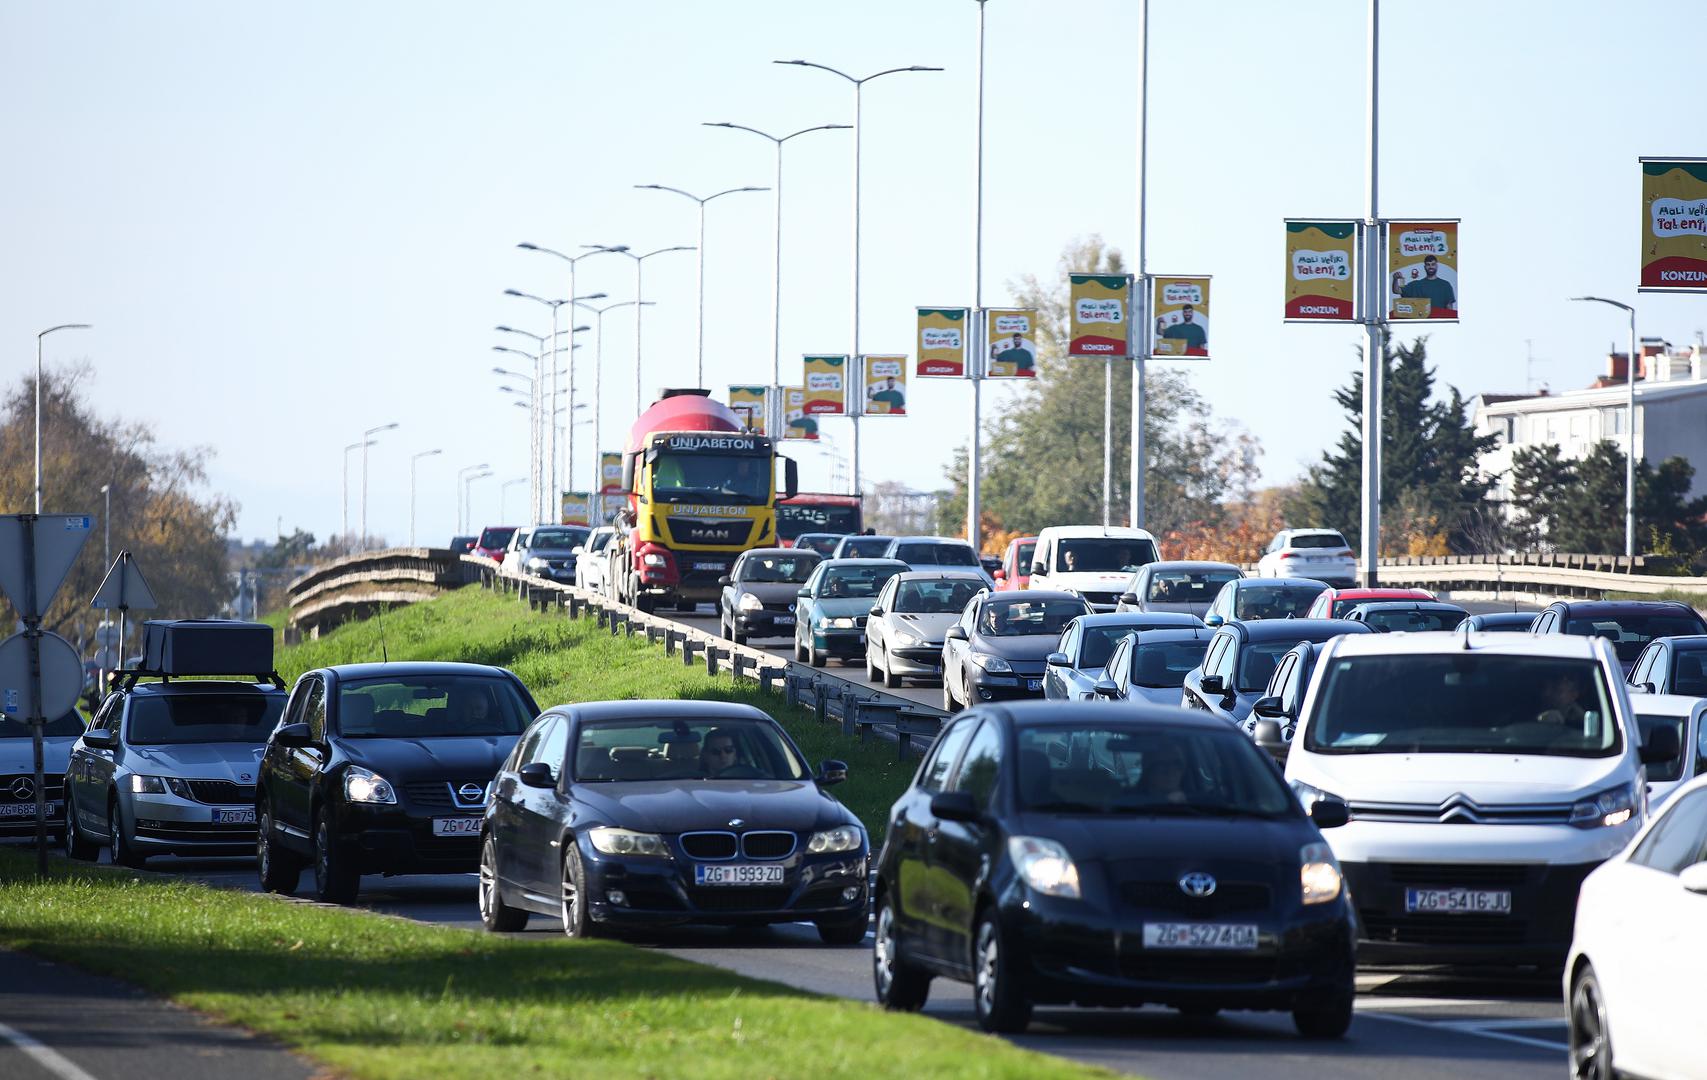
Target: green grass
x: 563, y: 660
x: 1694, y: 599
x: 379, y: 997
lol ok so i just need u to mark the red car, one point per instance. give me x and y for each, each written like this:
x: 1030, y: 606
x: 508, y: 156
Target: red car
x: 1334, y: 603
x: 493, y: 540
x: 1016, y: 563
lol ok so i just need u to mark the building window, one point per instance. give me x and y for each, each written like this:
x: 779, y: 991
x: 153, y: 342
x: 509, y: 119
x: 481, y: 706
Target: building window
x: 1612, y: 422
x: 1577, y: 423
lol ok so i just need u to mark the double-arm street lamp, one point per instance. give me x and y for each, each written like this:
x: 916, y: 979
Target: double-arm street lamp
x: 640, y: 304
x: 412, y: 460
x: 462, y: 495
x: 45, y: 333
x: 367, y: 441
x: 344, y: 505
x: 466, y: 480
x: 598, y: 398
x: 1629, y: 425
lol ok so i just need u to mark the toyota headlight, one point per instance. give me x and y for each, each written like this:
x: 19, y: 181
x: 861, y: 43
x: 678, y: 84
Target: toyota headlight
x: 830, y: 841
x: 989, y: 662
x: 366, y: 786
x: 841, y: 623
x: 1318, y: 874
x: 1614, y: 806
x: 612, y: 841
x: 749, y: 602
x: 1309, y: 795
x: 1045, y: 865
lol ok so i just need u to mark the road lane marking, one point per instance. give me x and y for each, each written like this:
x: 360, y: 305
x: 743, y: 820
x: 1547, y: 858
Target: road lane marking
x: 1468, y: 1029
x: 44, y: 1055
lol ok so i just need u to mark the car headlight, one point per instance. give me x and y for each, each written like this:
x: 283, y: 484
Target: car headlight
x: 904, y: 638
x: 652, y: 558
x: 1318, y: 874
x: 147, y: 785
x: 536, y: 563
x: 626, y: 842
x: 1614, y: 806
x: 1045, y: 865
x: 841, y: 838
x: 1309, y: 795
x: 749, y: 602
x: 841, y: 623
x: 366, y: 786
x: 989, y: 662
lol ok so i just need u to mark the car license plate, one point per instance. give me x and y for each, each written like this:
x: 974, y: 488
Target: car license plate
x: 242, y: 816
x: 1200, y: 936
x: 738, y: 874
x: 1457, y: 902
x: 708, y: 566
x: 783, y: 620
x: 25, y: 809
x: 456, y: 826
x: 1034, y: 684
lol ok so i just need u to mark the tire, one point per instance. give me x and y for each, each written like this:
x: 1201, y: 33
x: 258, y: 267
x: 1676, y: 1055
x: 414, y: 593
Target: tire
x: 844, y: 933
x: 1199, y: 1012
x: 949, y: 705
x: 1329, y: 1019
x: 799, y: 652
x: 280, y: 870
x: 495, y: 915
x: 77, y: 846
x: 336, y: 880
x: 686, y: 606
x: 123, y: 853
x: 872, y: 672
x: 997, y: 997
x: 572, y: 906
x: 1590, y: 1040
x: 891, y: 680
x: 900, y: 986
x: 723, y: 630
x: 815, y: 656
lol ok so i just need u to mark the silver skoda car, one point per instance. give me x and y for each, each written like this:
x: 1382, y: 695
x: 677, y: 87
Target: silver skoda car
x: 903, y: 633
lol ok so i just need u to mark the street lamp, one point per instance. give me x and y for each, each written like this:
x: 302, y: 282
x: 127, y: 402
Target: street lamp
x: 699, y: 273
x: 1629, y: 426
x: 45, y: 333
x: 368, y: 440
x: 412, y: 461
x: 855, y: 402
x: 639, y: 295
x: 536, y: 434
x: 107, y: 526
x: 504, y: 493
x: 468, y: 496
x: 462, y: 496
x: 344, y: 505
x: 598, y: 398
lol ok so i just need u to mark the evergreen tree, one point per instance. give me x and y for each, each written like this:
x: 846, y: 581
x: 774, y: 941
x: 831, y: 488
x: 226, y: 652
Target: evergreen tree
x: 1578, y: 506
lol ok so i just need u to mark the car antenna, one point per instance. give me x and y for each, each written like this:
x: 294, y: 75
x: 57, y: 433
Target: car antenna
x: 379, y: 616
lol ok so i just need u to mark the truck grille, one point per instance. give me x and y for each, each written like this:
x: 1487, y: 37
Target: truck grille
x: 686, y: 530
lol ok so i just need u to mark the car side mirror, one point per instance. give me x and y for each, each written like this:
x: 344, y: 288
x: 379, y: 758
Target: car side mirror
x: 1694, y: 877
x: 1329, y: 813
x: 726, y: 580
x: 577, y: 550
x: 1213, y: 684
x: 293, y: 735
x: 956, y: 633
x: 1000, y: 576
x: 102, y: 738
x: 804, y: 594
x: 875, y: 611
x: 1661, y: 746
x: 1213, y: 621
x: 1106, y: 688
x: 1270, y: 707
x: 1058, y: 659
x: 954, y: 806
x: 831, y: 771
x: 1642, y: 688
x: 1128, y: 598
x: 535, y: 774
x: 1038, y: 569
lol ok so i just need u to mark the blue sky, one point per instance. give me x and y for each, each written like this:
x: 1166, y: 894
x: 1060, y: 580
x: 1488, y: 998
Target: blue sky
x: 293, y: 222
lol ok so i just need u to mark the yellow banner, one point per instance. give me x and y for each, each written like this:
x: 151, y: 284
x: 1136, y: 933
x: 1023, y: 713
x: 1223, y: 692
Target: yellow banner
x: 1422, y: 270
x: 826, y: 385
x: 748, y: 402
x: 1180, y: 308
x: 942, y: 343
x: 1321, y: 271
x: 885, y: 385
x: 1012, y: 338
x: 1674, y: 225
x: 577, y: 508
x: 795, y: 423
x: 610, y: 472
x: 1098, y: 315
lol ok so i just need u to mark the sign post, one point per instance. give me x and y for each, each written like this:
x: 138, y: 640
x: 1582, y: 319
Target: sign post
x: 122, y: 590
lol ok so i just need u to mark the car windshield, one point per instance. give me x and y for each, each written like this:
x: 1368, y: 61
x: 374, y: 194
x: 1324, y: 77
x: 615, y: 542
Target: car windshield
x: 1630, y: 630
x: 431, y: 707
x: 666, y: 749
x: 557, y: 539
x: 793, y: 519
x: 496, y: 537
x: 1464, y: 703
x: 1672, y: 768
x: 1273, y: 601
x: 823, y: 545
x: 796, y: 566
x: 13, y: 727
x: 743, y: 479
x: 938, y: 597
x: 1102, y: 555
x: 1095, y: 769
x: 864, y: 547
x: 1028, y: 618
x: 1160, y: 665
x: 175, y: 719
x: 846, y: 582
x: 929, y: 554
x: 1318, y: 540
x: 1385, y: 620
x: 1188, y: 586
x: 599, y: 540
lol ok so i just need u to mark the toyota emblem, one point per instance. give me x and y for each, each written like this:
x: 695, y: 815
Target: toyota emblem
x: 1197, y: 884
x: 23, y: 789
x: 471, y: 793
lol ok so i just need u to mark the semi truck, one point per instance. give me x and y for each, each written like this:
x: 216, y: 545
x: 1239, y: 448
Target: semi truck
x: 700, y: 490
x: 817, y: 512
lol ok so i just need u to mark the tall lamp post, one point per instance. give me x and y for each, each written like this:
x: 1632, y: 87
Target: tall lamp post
x: 598, y: 391
x: 412, y: 460
x: 504, y: 495
x: 462, y: 495
x: 639, y: 296
x: 367, y: 441
x: 344, y: 506
x: 468, y: 496
x: 1629, y: 426
x: 45, y: 333
x: 536, y: 438
x: 548, y: 475
x: 856, y: 400
x: 699, y: 272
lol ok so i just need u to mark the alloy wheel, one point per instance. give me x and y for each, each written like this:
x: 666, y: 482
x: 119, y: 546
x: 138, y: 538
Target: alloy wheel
x: 883, y: 952
x: 1591, y: 1046
x: 488, y: 880
x: 571, y: 903
x: 984, y: 969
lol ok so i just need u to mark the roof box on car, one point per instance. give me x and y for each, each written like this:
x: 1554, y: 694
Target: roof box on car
x: 207, y: 647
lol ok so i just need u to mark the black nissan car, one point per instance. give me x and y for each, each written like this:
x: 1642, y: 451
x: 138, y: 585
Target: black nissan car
x: 632, y: 813
x: 1053, y: 852
x: 383, y: 769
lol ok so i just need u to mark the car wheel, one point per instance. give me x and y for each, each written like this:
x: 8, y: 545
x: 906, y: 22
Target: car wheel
x: 686, y: 605
x: 1590, y: 1040
x: 123, y: 853
x: 844, y: 932
x: 577, y: 921
x: 872, y: 674
x: 949, y: 705
x: 495, y: 915
x: 280, y: 870
x: 900, y: 986
x: 77, y: 846
x: 335, y: 878
x: 799, y: 652
x: 890, y: 679
x: 815, y: 656
x: 997, y: 997
x: 1329, y: 1018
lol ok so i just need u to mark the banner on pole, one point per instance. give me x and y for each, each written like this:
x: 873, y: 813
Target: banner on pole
x: 1097, y: 322
x: 1321, y: 271
x: 942, y: 343
x: 1012, y: 334
x: 1422, y: 271
x: 796, y: 424
x: 1180, y: 306
x: 885, y: 385
x: 749, y: 403
x: 826, y: 385
x: 610, y: 472
x: 1674, y: 225
x: 577, y: 508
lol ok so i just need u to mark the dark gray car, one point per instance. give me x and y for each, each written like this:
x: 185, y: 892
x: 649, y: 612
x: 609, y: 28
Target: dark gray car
x: 549, y: 551
x: 759, y: 592
x: 1188, y: 587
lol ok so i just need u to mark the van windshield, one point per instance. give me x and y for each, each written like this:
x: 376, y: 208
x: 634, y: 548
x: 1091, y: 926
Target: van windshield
x: 1464, y: 703
x: 1103, y: 554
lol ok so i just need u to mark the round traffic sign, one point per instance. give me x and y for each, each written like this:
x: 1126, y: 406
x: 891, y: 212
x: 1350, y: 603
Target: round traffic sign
x: 61, y: 677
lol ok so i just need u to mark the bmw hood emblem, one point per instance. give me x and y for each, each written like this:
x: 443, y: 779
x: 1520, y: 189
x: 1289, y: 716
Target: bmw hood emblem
x: 1197, y: 884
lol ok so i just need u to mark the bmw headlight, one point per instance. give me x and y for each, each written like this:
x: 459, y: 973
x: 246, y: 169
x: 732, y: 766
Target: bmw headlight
x: 366, y: 786
x: 830, y: 841
x: 613, y: 841
x: 989, y: 662
x: 841, y: 623
x: 1614, y: 806
x: 1318, y: 874
x: 1045, y: 865
x: 1309, y: 795
x: 749, y: 602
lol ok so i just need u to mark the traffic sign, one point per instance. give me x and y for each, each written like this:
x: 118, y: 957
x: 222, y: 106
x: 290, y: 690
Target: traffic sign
x: 61, y: 677
x: 58, y: 540
x: 124, y: 588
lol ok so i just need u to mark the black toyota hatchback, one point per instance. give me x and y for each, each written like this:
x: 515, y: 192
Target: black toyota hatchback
x: 1048, y: 852
x: 383, y: 769
x: 631, y: 813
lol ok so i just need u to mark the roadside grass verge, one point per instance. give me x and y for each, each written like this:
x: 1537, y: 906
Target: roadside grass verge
x: 380, y: 998
x: 562, y: 660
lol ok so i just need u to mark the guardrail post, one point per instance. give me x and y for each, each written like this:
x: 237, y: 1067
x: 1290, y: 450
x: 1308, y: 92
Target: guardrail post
x: 766, y: 676
x: 820, y: 698
x: 711, y: 652
x: 688, y: 647
x: 850, y: 710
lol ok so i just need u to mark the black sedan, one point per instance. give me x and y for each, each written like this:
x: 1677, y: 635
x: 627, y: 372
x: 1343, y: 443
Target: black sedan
x: 383, y: 769
x: 758, y: 594
x: 634, y: 813
x: 1628, y: 624
x: 1051, y: 853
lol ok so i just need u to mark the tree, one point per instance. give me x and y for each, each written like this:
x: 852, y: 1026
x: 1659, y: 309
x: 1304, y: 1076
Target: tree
x: 1578, y: 506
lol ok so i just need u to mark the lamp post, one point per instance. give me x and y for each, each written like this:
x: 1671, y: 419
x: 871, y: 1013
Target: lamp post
x: 344, y: 506
x: 1629, y: 426
x: 856, y: 401
x: 107, y: 526
x: 548, y: 475
x: 504, y: 495
x: 367, y: 441
x: 598, y: 390
x: 45, y: 333
x: 536, y: 436
x: 468, y: 496
x: 462, y: 495
x: 412, y: 460
x: 639, y: 296
x: 699, y: 273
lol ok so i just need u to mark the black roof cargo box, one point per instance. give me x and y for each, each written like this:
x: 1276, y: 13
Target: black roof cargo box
x: 207, y: 647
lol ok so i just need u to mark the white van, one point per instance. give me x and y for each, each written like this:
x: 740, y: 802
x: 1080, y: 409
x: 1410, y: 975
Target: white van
x: 1095, y: 561
x: 1485, y: 775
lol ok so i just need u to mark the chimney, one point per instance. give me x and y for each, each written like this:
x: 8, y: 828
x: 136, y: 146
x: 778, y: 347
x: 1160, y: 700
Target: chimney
x: 1617, y: 364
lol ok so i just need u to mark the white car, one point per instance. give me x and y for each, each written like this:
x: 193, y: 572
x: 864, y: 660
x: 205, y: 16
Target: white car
x: 1633, y: 978
x: 1684, y: 716
x: 590, y: 561
x: 1095, y: 561
x: 1322, y: 554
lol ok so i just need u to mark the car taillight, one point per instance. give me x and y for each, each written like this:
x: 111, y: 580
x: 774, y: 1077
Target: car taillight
x: 1289, y: 554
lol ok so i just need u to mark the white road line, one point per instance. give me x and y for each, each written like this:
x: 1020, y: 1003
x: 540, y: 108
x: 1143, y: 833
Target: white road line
x: 45, y: 1056
x: 1382, y: 1001
x: 1521, y: 1040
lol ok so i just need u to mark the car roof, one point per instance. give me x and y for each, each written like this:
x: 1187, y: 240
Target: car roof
x: 1521, y: 616
x: 1688, y: 641
x: 1188, y: 564
x: 1296, y: 629
x: 1154, y: 618
x: 185, y: 687
x: 412, y: 667
x: 1311, y: 532
x: 1665, y: 704
x: 1574, y: 646
x: 1081, y: 532
x: 1292, y: 582
x: 930, y: 540
x: 940, y: 575
x: 1034, y: 594
x: 661, y: 709
x: 1074, y: 714
x: 1407, y: 605
x: 790, y: 552
x: 1174, y: 633
x: 1592, y: 608
x: 841, y: 563
x: 829, y: 535
x: 1361, y: 593
x: 1018, y: 540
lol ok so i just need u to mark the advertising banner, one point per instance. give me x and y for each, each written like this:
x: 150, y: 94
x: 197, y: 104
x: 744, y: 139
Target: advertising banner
x: 1422, y: 271
x: 1674, y: 225
x: 748, y: 402
x: 826, y: 385
x: 1012, y: 335
x: 577, y: 508
x: 1097, y: 323
x: 885, y: 385
x: 1321, y: 271
x: 942, y: 343
x: 610, y: 472
x: 1181, y: 308
x: 795, y: 423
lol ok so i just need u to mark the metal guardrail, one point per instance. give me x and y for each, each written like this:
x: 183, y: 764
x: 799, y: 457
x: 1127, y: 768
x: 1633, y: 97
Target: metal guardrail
x: 356, y: 584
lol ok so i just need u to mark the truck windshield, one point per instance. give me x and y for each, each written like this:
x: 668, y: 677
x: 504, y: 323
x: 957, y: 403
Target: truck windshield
x: 725, y: 478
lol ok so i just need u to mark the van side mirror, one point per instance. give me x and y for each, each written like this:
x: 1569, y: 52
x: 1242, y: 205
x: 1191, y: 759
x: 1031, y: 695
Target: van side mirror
x: 790, y: 478
x: 293, y: 735
x: 1128, y: 598
x: 1661, y: 746
x: 1038, y: 569
x: 954, y: 806
x: 1270, y: 707
x: 1329, y: 813
x: 876, y: 610
x: 535, y: 774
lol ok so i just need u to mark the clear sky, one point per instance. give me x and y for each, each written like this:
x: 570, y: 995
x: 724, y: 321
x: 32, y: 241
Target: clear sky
x: 293, y: 222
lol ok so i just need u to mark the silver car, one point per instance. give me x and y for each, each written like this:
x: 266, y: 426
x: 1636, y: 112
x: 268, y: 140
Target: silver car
x: 549, y: 552
x: 904, y: 630
x: 168, y: 768
x: 1072, y: 671
x: 1189, y: 587
x: 591, y: 556
x: 1150, y: 667
x: 18, y: 773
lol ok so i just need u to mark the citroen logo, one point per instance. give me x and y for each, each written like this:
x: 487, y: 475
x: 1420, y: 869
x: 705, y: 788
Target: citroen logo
x: 469, y: 793
x: 1197, y: 884
x: 736, y: 823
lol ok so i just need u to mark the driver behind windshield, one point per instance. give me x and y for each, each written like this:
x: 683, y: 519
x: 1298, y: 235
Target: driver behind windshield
x: 1559, y: 694
x: 718, y: 754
